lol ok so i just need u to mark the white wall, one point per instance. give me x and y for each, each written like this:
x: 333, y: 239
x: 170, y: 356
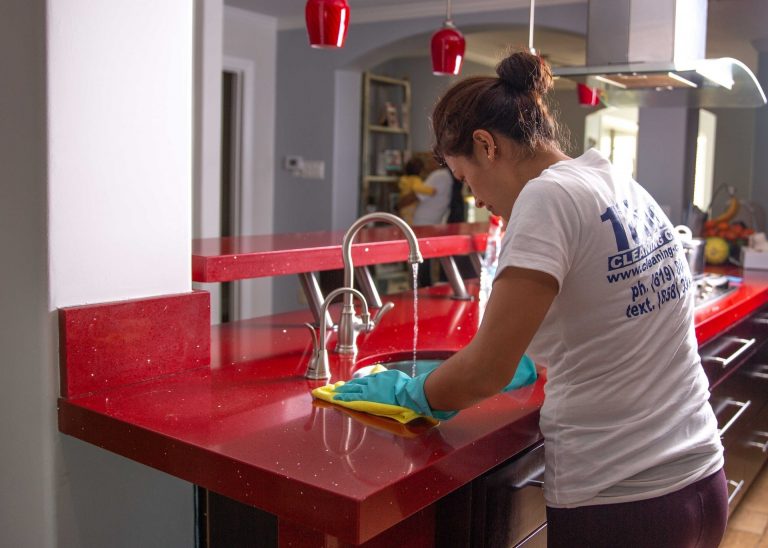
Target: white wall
x: 120, y: 137
x: 95, y: 206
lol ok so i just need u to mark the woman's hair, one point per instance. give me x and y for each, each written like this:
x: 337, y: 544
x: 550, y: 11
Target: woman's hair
x: 511, y: 104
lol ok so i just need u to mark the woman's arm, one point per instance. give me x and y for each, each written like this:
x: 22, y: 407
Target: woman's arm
x: 518, y: 304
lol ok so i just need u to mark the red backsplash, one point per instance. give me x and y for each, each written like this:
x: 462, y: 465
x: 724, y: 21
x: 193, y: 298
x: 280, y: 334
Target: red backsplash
x: 107, y: 345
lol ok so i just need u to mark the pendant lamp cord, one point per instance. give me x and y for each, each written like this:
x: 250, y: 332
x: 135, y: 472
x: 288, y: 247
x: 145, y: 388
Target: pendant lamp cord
x: 530, y: 28
x: 448, y: 11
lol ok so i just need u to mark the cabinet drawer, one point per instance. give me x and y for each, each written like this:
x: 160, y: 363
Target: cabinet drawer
x: 509, y: 504
x: 537, y: 539
x: 737, y: 482
x: 736, y: 402
x: 746, y: 427
x: 728, y: 351
x: 745, y: 454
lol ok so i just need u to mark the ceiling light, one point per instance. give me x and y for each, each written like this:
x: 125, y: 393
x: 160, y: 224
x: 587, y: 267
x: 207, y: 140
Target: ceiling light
x: 588, y: 96
x: 447, y: 47
x: 327, y: 22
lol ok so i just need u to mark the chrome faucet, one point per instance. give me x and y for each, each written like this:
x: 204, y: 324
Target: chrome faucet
x: 318, y: 363
x: 350, y: 324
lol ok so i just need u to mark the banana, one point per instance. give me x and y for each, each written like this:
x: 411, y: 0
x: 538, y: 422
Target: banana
x: 730, y: 211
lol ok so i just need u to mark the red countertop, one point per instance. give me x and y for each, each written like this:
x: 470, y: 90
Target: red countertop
x: 247, y: 427
x: 241, y: 257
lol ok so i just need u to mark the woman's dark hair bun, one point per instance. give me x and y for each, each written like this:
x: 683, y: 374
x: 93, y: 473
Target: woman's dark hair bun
x: 526, y: 73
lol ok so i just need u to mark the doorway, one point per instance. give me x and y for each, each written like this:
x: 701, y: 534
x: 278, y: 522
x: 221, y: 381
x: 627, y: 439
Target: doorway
x: 613, y: 131
x: 230, y: 182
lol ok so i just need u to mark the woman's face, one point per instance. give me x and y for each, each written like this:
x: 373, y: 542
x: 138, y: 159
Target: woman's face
x: 483, y: 178
x: 495, y: 172
x: 498, y: 169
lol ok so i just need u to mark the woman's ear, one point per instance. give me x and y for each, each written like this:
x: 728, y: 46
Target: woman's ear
x: 485, y: 139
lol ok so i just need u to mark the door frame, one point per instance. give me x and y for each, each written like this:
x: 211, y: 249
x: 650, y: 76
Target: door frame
x: 243, y: 192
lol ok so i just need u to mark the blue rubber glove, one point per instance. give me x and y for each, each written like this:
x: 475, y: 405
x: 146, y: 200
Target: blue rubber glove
x: 525, y: 374
x: 392, y: 387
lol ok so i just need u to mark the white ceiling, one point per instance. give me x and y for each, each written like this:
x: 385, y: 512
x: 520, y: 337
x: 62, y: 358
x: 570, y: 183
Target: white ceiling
x: 289, y: 9
x: 732, y: 25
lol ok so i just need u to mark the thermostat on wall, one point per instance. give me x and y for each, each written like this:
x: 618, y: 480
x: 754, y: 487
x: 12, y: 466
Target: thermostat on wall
x: 293, y: 163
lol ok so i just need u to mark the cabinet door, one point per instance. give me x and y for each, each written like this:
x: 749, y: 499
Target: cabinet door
x: 508, y: 504
x: 741, y: 405
x: 537, y: 539
x: 744, y: 458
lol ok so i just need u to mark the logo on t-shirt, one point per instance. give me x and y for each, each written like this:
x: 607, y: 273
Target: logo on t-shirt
x: 647, y: 256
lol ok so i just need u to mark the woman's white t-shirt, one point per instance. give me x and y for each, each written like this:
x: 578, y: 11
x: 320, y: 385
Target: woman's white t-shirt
x: 626, y: 414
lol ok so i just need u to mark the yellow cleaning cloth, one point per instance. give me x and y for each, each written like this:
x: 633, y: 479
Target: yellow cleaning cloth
x: 400, y: 414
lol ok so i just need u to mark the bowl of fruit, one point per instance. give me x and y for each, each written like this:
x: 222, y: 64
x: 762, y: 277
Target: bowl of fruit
x: 725, y: 236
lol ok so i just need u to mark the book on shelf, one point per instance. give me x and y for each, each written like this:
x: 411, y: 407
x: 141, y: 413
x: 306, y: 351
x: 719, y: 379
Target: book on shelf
x: 389, y: 162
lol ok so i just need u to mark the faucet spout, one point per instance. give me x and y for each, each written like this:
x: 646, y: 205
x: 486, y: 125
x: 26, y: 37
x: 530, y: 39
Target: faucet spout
x: 414, y: 255
x: 348, y: 324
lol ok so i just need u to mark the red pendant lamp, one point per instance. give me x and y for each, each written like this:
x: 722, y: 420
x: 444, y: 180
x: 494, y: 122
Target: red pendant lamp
x: 588, y: 97
x: 327, y: 22
x: 447, y: 47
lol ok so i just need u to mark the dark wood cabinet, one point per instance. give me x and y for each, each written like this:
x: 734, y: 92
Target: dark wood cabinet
x: 508, y: 503
x: 736, y: 363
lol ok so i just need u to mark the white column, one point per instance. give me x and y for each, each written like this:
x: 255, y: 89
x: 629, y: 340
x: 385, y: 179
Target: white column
x: 760, y: 157
x: 96, y: 149
x: 666, y: 156
x: 27, y: 339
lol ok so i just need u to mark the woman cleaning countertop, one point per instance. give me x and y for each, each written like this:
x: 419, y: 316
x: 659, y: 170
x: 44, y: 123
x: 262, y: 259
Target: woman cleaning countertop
x: 593, y: 283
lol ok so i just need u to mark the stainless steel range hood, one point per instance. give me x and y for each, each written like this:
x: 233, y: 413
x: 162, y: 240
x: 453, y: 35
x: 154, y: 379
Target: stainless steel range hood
x: 651, y: 53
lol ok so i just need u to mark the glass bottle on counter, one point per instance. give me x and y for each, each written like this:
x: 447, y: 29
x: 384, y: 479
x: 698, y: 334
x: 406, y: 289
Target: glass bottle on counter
x: 490, y: 260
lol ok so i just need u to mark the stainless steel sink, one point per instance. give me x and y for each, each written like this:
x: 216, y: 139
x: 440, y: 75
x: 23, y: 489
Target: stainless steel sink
x: 409, y: 367
x: 710, y: 288
x: 425, y: 361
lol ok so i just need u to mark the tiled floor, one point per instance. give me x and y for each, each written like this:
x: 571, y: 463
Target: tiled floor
x: 748, y: 525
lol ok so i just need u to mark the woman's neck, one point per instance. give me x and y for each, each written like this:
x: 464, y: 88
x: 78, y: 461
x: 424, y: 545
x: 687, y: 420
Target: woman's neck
x: 532, y: 166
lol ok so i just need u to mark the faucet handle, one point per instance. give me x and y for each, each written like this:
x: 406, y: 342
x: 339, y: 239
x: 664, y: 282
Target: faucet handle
x: 379, y: 314
x: 314, y: 335
x: 317, y: 368
x: 318, y: 341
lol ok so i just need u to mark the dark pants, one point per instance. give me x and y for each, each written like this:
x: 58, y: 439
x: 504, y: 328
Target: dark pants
x: 694, y: 516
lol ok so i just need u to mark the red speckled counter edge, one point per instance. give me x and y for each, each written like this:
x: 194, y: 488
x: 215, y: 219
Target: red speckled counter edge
x: 243, y: 257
